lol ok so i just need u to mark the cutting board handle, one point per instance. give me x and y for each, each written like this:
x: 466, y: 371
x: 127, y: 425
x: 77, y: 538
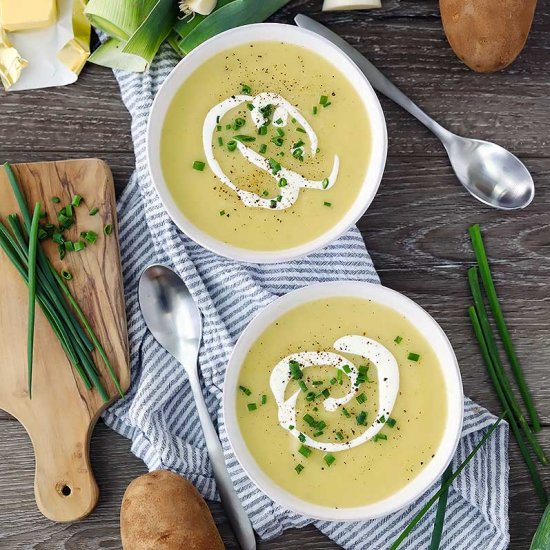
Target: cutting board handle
x: 64, y: 484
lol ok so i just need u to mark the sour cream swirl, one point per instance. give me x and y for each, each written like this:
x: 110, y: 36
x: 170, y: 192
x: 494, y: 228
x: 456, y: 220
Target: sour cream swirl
x: 295, y: 181
x: 387, y: 378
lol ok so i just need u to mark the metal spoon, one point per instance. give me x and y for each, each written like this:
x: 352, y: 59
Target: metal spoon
x: 175, y: 321
x: 489, y: 172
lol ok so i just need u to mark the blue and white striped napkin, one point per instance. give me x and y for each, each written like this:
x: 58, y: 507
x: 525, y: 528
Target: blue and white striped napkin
x: 159, y: 416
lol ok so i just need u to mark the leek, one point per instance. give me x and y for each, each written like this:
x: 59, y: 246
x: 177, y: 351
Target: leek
x: 234, y: 14
x: 117, y: 18
x: 186, y: 24
x: 110, y: 54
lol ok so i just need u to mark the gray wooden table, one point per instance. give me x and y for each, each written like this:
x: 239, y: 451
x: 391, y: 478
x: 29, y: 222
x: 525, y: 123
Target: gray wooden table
x: 416, y: 231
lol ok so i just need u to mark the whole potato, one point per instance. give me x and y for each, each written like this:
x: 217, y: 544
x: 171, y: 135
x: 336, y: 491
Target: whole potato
x: 163, y: 511
x: 487, y: 35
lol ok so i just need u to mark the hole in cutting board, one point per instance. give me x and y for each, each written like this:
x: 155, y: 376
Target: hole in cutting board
x: 64, y: 490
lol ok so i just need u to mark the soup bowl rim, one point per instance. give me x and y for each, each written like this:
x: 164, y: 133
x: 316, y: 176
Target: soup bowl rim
x: 429, y: 329
x: 243, y: 35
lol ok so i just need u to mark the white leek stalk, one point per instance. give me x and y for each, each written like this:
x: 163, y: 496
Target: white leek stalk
x: 202, y: 7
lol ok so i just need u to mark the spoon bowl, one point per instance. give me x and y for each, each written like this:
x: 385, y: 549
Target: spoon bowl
x: 490, y: 173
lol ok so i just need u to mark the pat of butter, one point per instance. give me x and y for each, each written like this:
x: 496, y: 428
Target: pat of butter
x: 20, y: 15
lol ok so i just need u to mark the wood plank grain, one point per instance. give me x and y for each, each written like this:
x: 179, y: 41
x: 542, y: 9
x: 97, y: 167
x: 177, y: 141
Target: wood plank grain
x: 510, y: 108
x: 23, y: 528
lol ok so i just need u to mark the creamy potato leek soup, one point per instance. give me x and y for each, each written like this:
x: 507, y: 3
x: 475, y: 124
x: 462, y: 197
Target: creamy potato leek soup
x: 342, y: 402
x: 265, y: 146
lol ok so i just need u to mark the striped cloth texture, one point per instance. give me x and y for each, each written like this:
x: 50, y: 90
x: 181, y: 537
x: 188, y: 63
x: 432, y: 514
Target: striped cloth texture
x: 159, y: 415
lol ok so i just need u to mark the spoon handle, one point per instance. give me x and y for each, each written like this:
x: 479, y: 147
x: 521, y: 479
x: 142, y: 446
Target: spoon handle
x: 232, y: 505
x: 377, y: 79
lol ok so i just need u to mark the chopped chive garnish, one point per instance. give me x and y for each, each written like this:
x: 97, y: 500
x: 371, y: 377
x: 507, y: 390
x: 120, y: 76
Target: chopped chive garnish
x: 265, y: 193
x: 295, y: 370
x: 301, y: 130
x: 327, y: 104
x: 222, y: 212
x: 218, y: 128
x: 90, y: 236
x: 340, y: 436
x: 325, y: 393
x: 298, y: 144
x: 302, y: 437
x: 314, y: 109
x: 304, y: 451
x: 262, y: 130
x: 273, y: 203
x: 309, y: 420
x: 199, y: 165
x: 69, y: 211
x: 325, y: 183
x: 323, y: 99
x: 69, y: 246
x: 327, y: 203
x: 280, y: 132
x: 79, y: 245
x: 298, y: 468
x: 345, y: 412
x: 246, y: 89
x: 220, y: 141
x: 279, y: 198
x: 245, y: 390
x: 398, y: 339
x: 228, y: 126
x: 413, y: 357
x: 303, y: 386
x: 361, y: 418
x: 277, y: 141
x: 283, y: 182
x: 310, y: 396
x: 321, y: 424
x: 250, y: 106
x: 361, y: 398
x: 77, y: 199
x: 66, y: 275
x: 318, y: 433
x: 333, y: 381
x: 317, y: 382
x: 231, y: 145
x: 108, y: 229
x: 94, y: 211
x: 264, y: 401
x: 382, y: 419
x: 274, y: 165
x: 218, y: 119
x: 244, y: 139
x: 56, y: 200
x: 251, y: 407
x: 239, y: 123
x: 391, y: 422
x: 380, y: 437
x: 279, y: 121
x: 339, y: 376
x: 329, y: 459
x: 346, y: 369
x: 58, y: 238
x: 263, y: 148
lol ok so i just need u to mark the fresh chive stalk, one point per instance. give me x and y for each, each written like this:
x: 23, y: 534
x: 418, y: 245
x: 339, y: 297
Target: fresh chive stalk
x: 539, y: 488
x: 488, y: 284
x: 445, y: 486
x: 497, y: 366
x: 437, y: 530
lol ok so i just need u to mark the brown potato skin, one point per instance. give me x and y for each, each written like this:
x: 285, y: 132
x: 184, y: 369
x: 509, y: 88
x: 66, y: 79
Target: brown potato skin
x: 487, y: 35
x: 163, y: 511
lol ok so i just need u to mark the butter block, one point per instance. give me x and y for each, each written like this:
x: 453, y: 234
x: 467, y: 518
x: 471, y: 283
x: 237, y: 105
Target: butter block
x: 22, y: 15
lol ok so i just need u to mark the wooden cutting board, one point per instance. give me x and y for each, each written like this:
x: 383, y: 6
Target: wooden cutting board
x: 62, y: 413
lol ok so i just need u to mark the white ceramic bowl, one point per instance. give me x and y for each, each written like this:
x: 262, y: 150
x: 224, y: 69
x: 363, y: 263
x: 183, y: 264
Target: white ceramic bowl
x: 424, y: 323
x: 257, y: 33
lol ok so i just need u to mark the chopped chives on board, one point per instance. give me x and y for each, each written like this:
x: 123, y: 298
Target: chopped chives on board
x: 298, y: 468
x: 329, y: 459
x: 398, y: 339
x: 304, y: 451
x: 56, y: 200
x: 66, y: 275
x: 413, y: 357
x: 251, y: 407
x: 77, y: 199
x: 108, y: 229
x: 198, y: 165
x: 94, y: 211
